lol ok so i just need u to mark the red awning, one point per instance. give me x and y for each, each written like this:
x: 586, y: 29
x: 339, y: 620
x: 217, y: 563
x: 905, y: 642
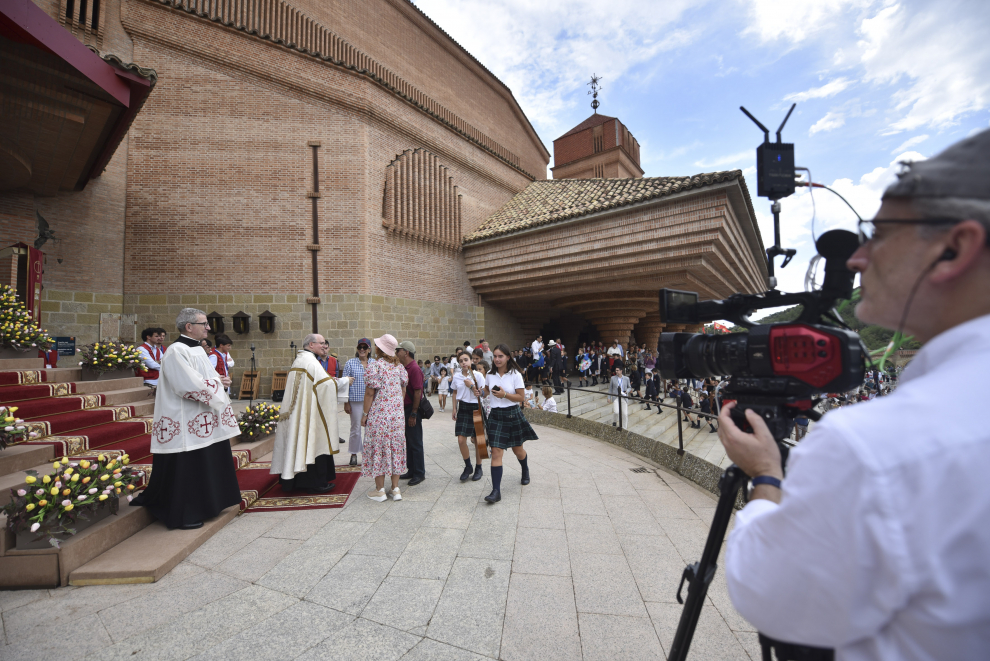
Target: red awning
x: 65, y: 108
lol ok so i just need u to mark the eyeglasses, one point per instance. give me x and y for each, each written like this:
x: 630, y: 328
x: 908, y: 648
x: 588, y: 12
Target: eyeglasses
x: 363, y: 347
x: 868, y: 228
x: 198, y: 323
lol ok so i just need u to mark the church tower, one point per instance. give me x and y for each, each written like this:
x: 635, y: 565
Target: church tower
x: 600, y: 147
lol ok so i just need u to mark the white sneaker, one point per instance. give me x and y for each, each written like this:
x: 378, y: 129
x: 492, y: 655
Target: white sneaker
x: 378, y: 496
x: 395, y: 494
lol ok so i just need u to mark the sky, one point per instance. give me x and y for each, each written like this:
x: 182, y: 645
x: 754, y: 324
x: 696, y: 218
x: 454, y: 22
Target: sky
x: 876, y: 82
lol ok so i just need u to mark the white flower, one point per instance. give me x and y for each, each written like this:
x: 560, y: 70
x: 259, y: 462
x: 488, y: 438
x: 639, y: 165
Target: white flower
x: 83, y: 497
x: 33, y: 434
x: 66, y: 502
x: 11, y: 428
x: 92, y: 490
x: 21, y: 492
x: 130, y: 497
x: 80, y: 363
x: 35, y: 526
x: 39, y: 492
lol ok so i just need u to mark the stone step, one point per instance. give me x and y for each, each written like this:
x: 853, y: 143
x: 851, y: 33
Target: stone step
x: 128, y: 396
x: 109, y: 385
x: 144, y: 408
x: 15, y: 364
x: 51, y: 567
x: 149, y: 554
x: 17, y: 458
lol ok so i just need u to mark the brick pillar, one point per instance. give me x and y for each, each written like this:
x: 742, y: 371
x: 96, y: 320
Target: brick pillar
x: 648, y: 330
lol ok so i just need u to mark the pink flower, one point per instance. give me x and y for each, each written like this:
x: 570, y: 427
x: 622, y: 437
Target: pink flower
x: 39, y: 492
x: 35, y: 526
x: 92, y: 491
x: 66, y: 502
x: 83, y: 497
x: 58, y: 484
x: 130, y: 497
x: 21, y: 492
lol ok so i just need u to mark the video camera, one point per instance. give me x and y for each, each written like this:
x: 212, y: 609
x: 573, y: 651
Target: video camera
x: 778, y: 370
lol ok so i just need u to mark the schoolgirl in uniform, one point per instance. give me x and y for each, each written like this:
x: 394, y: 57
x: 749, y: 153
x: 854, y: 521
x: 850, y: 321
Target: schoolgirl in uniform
x: 467, y: 385
x: 443, y: 389
x: 507, y: 427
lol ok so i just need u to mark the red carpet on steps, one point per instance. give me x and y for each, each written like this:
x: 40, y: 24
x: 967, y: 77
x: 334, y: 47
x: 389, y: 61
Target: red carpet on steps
x: 23, y: 376
x: 75, y: 421
x: 43, y: 408
x: 273, y: 499
x: 17, y: 393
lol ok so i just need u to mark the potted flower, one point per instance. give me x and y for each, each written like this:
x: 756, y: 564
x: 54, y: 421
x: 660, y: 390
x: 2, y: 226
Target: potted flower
x: 259, y: 421
x: 75, y: 496
x: 18, y: 331
x: 108, y: 359
x: 12, y: 429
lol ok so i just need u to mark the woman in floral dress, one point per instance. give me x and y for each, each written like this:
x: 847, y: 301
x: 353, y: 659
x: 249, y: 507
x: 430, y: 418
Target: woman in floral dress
x: 384, y: 419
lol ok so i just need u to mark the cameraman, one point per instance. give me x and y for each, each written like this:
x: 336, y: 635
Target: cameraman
x: 877, y: 543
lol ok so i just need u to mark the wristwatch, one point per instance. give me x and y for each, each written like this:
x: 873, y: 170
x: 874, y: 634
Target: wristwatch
x: 765, y: 479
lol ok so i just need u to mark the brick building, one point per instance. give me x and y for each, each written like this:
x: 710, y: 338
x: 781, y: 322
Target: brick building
x: 298, y: 158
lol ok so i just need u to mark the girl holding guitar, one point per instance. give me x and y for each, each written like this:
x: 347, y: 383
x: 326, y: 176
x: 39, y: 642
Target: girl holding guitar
x: 467, y: 385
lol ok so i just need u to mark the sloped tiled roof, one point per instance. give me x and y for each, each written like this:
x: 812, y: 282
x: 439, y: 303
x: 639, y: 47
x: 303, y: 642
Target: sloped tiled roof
x: 594, y: 120
x: 547, y: 202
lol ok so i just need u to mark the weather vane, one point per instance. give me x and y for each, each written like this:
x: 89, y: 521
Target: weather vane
x: 595, y: 87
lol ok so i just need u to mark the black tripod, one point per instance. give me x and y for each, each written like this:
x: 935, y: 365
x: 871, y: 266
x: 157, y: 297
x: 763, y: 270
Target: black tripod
x: 699, y: 576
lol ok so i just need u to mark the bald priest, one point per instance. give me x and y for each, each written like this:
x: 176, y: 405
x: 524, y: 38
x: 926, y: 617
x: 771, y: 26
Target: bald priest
x: 192, y: 475
x: 306, y: 437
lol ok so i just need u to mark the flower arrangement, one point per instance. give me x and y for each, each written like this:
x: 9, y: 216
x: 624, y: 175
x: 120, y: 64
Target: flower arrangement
x: 260, y: 420
x: 52, y: 504
x: 12, y: 429
x: 109, y: 355
x: 17, y: 329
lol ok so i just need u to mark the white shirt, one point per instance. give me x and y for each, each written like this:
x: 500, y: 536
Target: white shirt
x: 880, y: 546
x: 550, y: 405
x: 444, y: 385
x: 537, y: 347
x: 511, y: 382
x: 463, y: 392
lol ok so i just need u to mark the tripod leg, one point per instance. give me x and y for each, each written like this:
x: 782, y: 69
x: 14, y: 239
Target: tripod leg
x: 700, y: 575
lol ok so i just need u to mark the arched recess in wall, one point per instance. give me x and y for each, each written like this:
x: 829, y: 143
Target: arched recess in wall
x: 421, y: 201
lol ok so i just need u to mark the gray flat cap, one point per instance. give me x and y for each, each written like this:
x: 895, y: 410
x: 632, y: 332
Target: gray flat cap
x: 962, y: 170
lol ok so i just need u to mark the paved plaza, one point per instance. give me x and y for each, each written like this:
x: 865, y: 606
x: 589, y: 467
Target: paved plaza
x: 581, y: 564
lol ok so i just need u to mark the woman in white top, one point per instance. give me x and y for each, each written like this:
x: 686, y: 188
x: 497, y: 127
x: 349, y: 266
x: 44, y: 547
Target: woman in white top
x: 507, y: 427
x: 467, y: 388
x: 443, y: 389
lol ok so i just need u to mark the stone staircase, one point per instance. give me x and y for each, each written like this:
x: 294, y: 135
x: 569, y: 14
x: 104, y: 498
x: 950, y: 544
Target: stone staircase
x: 591, y: 404
x: 82, y: 420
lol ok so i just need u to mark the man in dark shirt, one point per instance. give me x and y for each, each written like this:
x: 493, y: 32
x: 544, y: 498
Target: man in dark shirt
x: 415, y: 459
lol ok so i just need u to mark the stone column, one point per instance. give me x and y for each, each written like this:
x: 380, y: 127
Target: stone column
x: 648, y: 330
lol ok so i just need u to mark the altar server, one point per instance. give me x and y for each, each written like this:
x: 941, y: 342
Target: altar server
x: 192, y: 476
x: 306, y: 437
x: 220, y: 356
x: 151, y: 356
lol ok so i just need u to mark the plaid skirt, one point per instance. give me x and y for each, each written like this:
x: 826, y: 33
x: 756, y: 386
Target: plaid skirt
x: 508, y: 428
x: 465, y: 419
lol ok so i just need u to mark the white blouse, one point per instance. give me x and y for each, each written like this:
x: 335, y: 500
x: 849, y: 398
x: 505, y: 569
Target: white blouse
x: 464, y: 392
x: 510, y: 382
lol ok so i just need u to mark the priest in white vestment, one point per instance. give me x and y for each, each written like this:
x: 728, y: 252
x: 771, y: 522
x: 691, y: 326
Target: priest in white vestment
x: 192, y: 475
x: 306, y: 437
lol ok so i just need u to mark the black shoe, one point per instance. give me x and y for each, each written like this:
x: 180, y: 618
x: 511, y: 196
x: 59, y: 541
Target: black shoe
x: 493, y: 497
x: 478, y: 473
x: 190, y: 526
x: 712, y: 430
x: 613, y: 424
x: 525, y: 476
x: 327, y: 489
x: 405, y: 476
x: 416, y: 480
x: 353, y: 460
x: 467, y: 473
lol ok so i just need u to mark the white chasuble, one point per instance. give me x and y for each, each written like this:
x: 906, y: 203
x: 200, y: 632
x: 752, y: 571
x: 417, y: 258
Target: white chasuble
x: 307, y: 426
x: 192, y: 410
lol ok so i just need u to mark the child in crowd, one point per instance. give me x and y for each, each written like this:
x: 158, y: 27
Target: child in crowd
x: 548, y: 403
x: 483, y: 368
x: 443, y: 389
x: 529, y: 401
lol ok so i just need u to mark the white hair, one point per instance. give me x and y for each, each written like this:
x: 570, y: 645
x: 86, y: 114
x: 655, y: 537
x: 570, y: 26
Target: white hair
x: 963, y: 208
x: 187, y: 316
x: 311, y: 338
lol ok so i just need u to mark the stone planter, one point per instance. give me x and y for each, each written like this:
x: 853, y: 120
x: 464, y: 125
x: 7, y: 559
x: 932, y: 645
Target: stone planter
x: 7, y: 353
x: 26, y: 540
x: 89, y: 374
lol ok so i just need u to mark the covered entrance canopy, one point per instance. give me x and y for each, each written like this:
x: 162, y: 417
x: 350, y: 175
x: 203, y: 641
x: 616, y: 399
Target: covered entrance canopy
x: 600, y: 249
x: 63, y: 108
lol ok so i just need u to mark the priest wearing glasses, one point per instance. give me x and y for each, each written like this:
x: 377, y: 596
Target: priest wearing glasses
x: 192, y: 476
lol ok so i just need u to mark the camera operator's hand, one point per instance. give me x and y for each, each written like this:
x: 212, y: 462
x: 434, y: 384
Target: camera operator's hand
x: 757, y: 453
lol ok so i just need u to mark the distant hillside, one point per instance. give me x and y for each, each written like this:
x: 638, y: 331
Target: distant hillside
x: 874, y: 337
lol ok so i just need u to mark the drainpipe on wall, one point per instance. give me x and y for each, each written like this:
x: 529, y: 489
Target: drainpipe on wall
x: 314, y: 247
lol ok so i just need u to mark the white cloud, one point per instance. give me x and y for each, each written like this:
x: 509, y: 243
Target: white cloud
x: 829, y: 213
x: 796, y: 21
x: 544, y: 51
x: 937, y: 58
x: 827, y: 90
x: 730, y: 159
x: 910, y: 142
x: 830, y: 122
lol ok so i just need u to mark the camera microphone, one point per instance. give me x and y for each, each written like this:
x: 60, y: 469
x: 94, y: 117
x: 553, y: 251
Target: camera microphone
x: 252, y: 347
